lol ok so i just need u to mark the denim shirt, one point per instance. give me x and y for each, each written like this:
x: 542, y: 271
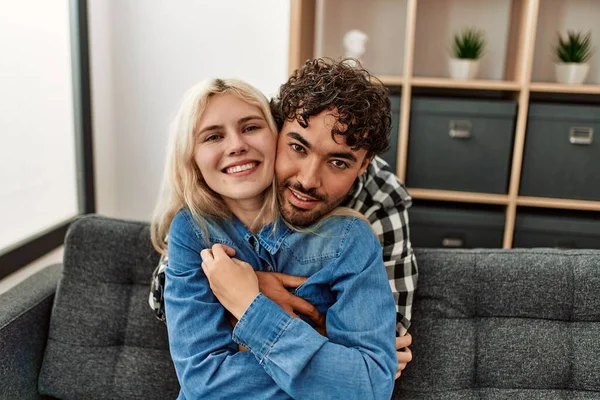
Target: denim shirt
x: 287, y: 358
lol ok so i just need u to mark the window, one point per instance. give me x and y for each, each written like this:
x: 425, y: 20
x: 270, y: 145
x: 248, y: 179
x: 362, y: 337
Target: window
x: 46, y: 177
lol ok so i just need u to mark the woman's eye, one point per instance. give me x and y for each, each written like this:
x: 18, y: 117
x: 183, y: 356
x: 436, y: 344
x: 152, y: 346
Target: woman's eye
x: 340, y: 164
x: 251, y: 128
x: 211, y: 138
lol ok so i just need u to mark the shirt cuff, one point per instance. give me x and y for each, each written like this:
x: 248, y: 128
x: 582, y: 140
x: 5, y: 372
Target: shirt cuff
x: 260, y: 326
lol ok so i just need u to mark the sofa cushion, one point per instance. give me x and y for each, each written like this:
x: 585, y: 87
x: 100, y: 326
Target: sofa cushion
x: 104, y: 341
x: 495, y: 324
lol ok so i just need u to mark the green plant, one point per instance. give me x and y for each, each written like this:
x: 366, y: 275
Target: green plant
x: 575, y: 48
x: 468, y: 44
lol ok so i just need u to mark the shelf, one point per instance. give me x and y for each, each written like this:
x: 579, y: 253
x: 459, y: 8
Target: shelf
x: 392, y: 80
x: 569, y: 204
x: 551, y: 87
x: 479, y: 84
x: 383, y: 21
x: 438, y: 21
x: 559, y: 16
x: 464, y: 197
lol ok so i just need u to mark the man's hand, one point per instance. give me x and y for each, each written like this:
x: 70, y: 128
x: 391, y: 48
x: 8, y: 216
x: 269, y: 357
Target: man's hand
x: 273, y: 285
x: 232, y: 281
x: 403, y: 352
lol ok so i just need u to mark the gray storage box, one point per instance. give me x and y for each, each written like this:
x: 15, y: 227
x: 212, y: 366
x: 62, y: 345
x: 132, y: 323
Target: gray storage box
x: 463, y: 145
x: 432, y: 226
x: 562, y: 231
x: 391, y: 155
x: 562, y: 153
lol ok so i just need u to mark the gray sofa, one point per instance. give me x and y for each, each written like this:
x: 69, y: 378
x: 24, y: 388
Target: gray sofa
x: 488, y: 324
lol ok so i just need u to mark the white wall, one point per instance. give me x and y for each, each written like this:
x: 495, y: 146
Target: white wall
x: 144, y: 55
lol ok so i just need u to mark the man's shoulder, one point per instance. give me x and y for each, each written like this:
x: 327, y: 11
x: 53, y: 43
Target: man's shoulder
x: 338, y: 234
x: 341, y: 224
x: 380, y: 187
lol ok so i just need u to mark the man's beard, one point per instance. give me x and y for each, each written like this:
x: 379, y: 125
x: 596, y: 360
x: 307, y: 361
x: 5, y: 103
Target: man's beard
x: 301, y: 217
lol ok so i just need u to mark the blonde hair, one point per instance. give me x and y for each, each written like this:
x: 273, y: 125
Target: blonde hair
x: 182, y: 185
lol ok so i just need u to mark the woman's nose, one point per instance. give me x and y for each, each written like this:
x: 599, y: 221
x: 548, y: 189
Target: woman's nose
x: 237, y: 145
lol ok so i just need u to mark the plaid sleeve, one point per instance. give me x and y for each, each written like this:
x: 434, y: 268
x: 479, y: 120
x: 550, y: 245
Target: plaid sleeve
x: 384, y: 200
x: 157, y: 289
x: 391, y: 226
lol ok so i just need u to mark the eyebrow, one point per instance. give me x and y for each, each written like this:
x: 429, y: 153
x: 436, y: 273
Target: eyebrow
x: 346, y: 155
x: 240, y: 122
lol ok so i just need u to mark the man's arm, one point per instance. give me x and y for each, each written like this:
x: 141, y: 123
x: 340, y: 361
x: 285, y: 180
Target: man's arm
x: 382, y: 198
x: 391, y: 227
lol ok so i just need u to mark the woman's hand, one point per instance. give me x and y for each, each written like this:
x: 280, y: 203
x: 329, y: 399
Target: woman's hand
x: 233, y: 282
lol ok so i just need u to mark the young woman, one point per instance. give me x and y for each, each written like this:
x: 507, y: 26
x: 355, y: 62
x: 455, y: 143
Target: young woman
x: 219, y: 199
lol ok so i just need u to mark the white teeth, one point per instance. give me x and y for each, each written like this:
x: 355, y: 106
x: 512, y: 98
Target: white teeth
x: 301, y: 197
x: 240, y: 168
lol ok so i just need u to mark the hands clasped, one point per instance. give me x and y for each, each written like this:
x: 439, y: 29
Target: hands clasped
x: 236, y: 284
x: 233, y: 282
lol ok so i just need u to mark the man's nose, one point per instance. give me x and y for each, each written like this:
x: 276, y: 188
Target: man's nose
x: 236, y: 144
x: 309, y: 175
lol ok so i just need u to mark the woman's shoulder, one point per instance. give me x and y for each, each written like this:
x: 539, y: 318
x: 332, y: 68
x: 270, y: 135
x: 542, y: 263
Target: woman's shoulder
x: 205, y: 228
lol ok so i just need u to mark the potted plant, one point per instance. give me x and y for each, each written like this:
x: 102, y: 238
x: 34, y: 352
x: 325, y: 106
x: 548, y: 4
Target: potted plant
x: 571, y: 54
x: 467, y: 49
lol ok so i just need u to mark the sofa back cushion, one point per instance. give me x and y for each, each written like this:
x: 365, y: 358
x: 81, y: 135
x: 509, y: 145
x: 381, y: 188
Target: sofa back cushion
x: 519, y: 324
x: 104, y: 341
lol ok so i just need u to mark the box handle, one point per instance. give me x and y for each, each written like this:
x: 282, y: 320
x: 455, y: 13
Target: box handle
x: 581, y: 135
x: 452, y: 242
x: 460, y: 129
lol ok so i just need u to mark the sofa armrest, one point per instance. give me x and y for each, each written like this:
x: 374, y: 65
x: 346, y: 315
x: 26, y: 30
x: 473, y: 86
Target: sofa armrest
x: 24, y: 320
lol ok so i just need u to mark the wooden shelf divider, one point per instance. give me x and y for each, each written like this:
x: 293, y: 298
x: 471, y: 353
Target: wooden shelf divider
x: 405, y: 101
x: 463, y: 197
x: 551, y: 87
x: 392, y: 80
x: 569, y: 204
x: 478, y: 84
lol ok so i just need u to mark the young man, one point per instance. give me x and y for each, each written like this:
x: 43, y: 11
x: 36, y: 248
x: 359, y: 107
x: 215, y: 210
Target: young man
x: 333, y: 120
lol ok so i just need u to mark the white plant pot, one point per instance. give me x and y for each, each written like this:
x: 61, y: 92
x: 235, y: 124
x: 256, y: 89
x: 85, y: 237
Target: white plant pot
x: 462, y: 68
x: 571, y: 72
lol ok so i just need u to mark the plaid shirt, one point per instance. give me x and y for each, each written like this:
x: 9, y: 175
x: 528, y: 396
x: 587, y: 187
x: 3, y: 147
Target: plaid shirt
x: 380, y: 196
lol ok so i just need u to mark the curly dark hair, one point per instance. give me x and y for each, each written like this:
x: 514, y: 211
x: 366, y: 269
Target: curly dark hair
x: 362, y: 102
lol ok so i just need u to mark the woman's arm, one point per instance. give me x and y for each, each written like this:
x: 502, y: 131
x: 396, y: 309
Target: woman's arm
x: 206, y: 359
x: 357, y: 360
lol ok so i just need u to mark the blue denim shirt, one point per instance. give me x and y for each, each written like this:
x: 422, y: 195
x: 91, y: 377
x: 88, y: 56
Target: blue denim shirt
x: 287, y: 358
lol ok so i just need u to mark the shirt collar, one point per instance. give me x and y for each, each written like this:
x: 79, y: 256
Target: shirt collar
x: 269, y: 237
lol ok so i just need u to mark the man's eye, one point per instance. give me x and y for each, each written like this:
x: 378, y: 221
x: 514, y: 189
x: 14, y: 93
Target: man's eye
x: 340, y: 164
x: 297, y: 148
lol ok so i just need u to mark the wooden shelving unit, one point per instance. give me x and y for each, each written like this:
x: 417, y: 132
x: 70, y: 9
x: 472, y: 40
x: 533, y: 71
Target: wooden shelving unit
x: 477, y: 84
x: 408, y: 42
x: 551, y: 87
